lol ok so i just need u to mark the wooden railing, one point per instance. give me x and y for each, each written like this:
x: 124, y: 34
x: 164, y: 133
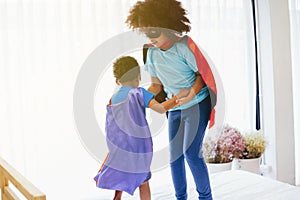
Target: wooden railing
x: 9, y: 175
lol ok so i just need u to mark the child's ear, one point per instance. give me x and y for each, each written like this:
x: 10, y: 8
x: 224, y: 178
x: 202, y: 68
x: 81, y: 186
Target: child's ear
x: 118, y: 82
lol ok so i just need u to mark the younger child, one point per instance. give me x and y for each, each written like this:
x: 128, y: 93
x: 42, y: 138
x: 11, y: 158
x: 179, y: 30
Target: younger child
x: 127, y: 133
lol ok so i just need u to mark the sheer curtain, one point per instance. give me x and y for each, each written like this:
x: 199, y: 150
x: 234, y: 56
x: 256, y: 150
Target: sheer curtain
x: 224, y: 29
x: 295, y: 41
x: 42, y: 47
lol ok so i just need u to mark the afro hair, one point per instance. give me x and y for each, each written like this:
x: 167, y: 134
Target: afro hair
x: 167, y: 14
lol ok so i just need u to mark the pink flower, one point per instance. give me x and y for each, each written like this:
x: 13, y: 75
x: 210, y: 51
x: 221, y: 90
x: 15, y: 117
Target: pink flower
x: 229, y: 145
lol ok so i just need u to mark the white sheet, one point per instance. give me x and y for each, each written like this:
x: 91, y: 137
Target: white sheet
x: 242, y: 185
x: 227, y: 185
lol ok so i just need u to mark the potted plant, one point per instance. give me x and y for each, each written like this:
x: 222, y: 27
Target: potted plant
x: 255, y: 147
x: 228, y: 145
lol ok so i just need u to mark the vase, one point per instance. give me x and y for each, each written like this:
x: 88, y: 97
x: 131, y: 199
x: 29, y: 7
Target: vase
x: 218, y: 167
x: 250, y: 165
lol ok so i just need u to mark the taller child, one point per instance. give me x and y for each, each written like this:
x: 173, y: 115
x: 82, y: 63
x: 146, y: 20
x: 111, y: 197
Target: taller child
x: 176, y: 64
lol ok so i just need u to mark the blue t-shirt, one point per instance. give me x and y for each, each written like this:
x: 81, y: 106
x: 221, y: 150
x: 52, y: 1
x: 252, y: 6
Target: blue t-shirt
x: 122, y: 94
x: 175, y: 68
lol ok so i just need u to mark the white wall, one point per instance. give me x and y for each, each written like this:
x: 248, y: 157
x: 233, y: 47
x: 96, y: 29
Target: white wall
x: 295, y: 44
x: 277, y: 94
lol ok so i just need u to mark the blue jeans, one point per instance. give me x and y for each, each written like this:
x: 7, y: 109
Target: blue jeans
x: 186, y: 131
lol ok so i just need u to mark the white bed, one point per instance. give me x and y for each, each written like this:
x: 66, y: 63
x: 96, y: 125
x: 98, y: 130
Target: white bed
x: 242, y: 185
x: 227, y: 185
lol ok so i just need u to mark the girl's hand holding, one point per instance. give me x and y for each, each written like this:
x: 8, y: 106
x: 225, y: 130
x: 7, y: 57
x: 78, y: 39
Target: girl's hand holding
x: 185, y: 95
x: 174, y: 99
x: 184, y: 100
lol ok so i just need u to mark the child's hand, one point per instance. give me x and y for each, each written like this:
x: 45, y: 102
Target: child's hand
x: 182, y: 93
x: 184, y: 100
x: 174, y: 100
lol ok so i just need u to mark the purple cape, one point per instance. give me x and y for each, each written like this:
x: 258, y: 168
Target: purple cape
x: 130, y: 145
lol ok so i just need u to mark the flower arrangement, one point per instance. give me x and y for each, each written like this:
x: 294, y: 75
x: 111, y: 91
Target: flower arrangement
x: 255, y: 144
x: 230, y: 144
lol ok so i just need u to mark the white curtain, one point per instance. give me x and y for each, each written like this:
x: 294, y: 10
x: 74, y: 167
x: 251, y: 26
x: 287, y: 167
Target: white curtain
x: 225, y: 31
x: 42, y: 47
x: 295, y: 45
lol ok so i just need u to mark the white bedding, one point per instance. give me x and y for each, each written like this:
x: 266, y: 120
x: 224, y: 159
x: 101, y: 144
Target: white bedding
x: 242, y: 185
x: 227, y: 185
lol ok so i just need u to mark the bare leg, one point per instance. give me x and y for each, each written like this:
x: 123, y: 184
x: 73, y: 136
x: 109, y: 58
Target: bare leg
x: 145, y: 191
x: 118, y: 195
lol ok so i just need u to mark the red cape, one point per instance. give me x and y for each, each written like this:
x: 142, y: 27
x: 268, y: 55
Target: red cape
x: 207, y: 76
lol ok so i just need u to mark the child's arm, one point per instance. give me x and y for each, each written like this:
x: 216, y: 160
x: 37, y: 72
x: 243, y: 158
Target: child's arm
x: 195, y: 89
x: 155, y: 86
x: 163, y: 107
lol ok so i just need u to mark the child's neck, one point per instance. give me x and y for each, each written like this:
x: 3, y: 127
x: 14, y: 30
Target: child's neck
x: 168, y: 44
